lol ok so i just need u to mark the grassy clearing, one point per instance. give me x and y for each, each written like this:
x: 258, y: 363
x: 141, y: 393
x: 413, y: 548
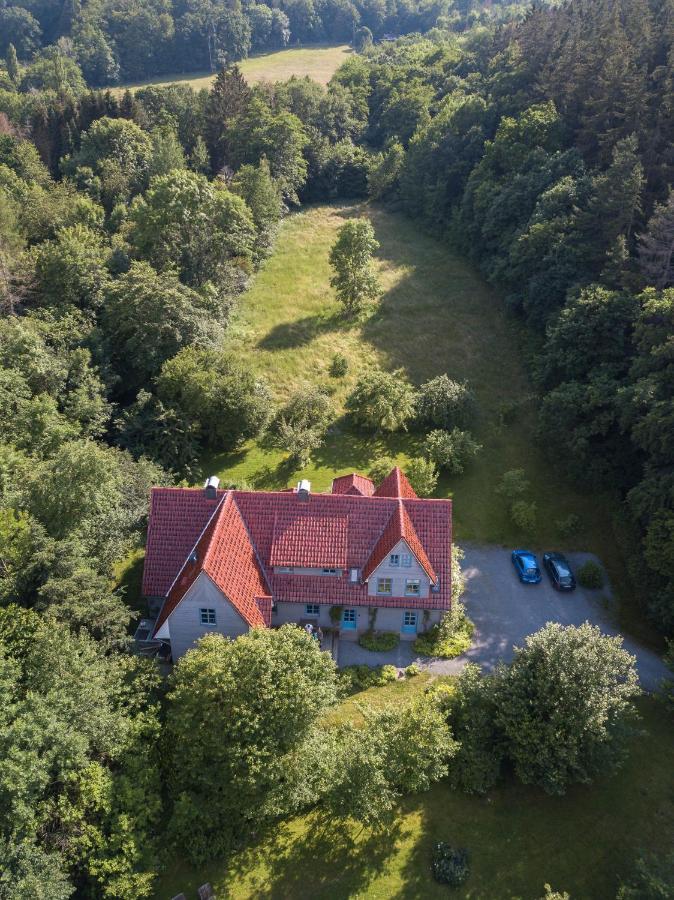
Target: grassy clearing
x: 353, y: 709
x: 319, y: 61
x: 436, y: 315
x: 518, y: 837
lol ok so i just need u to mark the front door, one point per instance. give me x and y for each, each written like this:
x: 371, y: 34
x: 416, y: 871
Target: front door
x: 349, y: 619
x: 409, y: 623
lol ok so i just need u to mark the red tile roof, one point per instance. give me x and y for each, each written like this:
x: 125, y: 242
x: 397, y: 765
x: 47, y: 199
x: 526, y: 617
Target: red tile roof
x: 309, y: 539
x: 224, y: 552
x: 353, y: 484
x: 396, y: 485
x: 399, y: 527
x: 242, y: 536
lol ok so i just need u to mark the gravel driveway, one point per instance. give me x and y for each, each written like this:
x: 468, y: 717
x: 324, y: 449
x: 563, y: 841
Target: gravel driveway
x: 506, y: 611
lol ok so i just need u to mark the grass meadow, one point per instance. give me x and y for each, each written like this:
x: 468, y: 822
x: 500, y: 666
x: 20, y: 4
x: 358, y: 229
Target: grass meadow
x: 436, y: 315
x: 518, y: 837
x: 318, y: 61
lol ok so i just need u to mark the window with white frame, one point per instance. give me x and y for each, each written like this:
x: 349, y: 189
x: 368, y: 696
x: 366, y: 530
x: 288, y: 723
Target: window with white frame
x: 285, y: 570
x: 412, y: 587
x: 312, y: 609
x: 394, y: 559
x: 384, y: 585
x: 407, y: 560
x: 329, y: 571
x: 207, y: 616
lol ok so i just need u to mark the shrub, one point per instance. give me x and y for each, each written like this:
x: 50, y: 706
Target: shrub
x: 472, y: 715
x: 387, y: 674
x: 568, y: 526
x: 523, y: 514
x: 339, y: 365
x: 458, y: 578
x: 379, y: 641
x: 422, y: 475
x: 451, y: 450
x: 554, y: 895
x: 513, y: 484
x: 412, y: 670
x: 360, y: 678
x: 382, y: 401
x: 450, y: 864
x: 591, y: 575
x: 652, y: 879
x: 450, y: 638
x: 443, y: 403
x: 299, y: 427
x: 380, y: 469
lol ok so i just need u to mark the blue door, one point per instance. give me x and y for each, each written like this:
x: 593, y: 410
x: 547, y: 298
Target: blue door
x: 409, y: 623
x: 349, y: 618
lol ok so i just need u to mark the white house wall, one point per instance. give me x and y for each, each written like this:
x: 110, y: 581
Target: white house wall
x: 387, y: 619
x: 399, y: 574
x: 184, y: 623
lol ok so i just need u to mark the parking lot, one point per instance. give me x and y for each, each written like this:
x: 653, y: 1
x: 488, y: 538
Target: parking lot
x: 506, y: 611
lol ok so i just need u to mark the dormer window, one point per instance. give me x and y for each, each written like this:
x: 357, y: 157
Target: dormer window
x: 285, y: 570
x: 394, y: 559
x: 329, y: 571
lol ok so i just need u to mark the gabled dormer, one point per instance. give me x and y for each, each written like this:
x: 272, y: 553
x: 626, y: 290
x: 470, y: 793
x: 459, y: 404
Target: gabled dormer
x: 398, y: 565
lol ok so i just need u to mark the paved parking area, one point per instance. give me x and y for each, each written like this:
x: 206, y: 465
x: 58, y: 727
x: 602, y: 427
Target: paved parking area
x: 506, y: 611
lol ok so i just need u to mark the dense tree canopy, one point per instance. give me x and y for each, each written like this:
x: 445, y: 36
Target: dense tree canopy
x: 235, y: 709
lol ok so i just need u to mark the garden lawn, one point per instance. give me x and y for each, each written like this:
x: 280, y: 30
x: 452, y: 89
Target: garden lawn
x: 319, y: 62
x: 518, y: 837
x: 436, y: 315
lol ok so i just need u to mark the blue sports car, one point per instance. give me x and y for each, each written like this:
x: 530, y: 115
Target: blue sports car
x: 526, y: 566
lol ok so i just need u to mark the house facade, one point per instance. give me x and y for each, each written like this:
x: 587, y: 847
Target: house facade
x: 357, y: 557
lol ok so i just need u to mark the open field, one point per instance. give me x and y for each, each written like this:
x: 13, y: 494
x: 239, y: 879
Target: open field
x: 518, y: 837
x: 436, y: 315
x: 319, y: 62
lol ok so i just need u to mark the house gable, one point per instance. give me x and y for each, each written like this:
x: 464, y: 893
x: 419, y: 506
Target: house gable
x: 399, y: 527
x: 184, y: 626
x: 399, y: 574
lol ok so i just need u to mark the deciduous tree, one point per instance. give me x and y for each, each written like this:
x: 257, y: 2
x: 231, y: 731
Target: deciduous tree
x: 355, y: 280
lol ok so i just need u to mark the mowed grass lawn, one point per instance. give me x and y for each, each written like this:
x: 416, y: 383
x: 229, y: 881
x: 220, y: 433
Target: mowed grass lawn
x: 317, y: 61
x: 518, y: 837
x: 436, y: 315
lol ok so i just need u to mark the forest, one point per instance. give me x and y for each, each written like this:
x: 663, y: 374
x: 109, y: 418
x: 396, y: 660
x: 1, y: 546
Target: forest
x: 111, y: 40
x: 539, y: 146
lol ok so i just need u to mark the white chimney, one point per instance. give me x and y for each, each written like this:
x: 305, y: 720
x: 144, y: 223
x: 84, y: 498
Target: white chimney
x: 303, y: 489
x: 211, y: 487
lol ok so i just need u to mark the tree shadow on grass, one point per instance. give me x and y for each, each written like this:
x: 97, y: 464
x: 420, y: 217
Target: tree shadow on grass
x: 290, y: 335
x: 274, y: 478
x: 328, y: 860
x: 344, y: 448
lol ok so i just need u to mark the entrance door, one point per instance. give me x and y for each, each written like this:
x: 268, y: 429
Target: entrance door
x: 349, y: 619
x: 409, y: 623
